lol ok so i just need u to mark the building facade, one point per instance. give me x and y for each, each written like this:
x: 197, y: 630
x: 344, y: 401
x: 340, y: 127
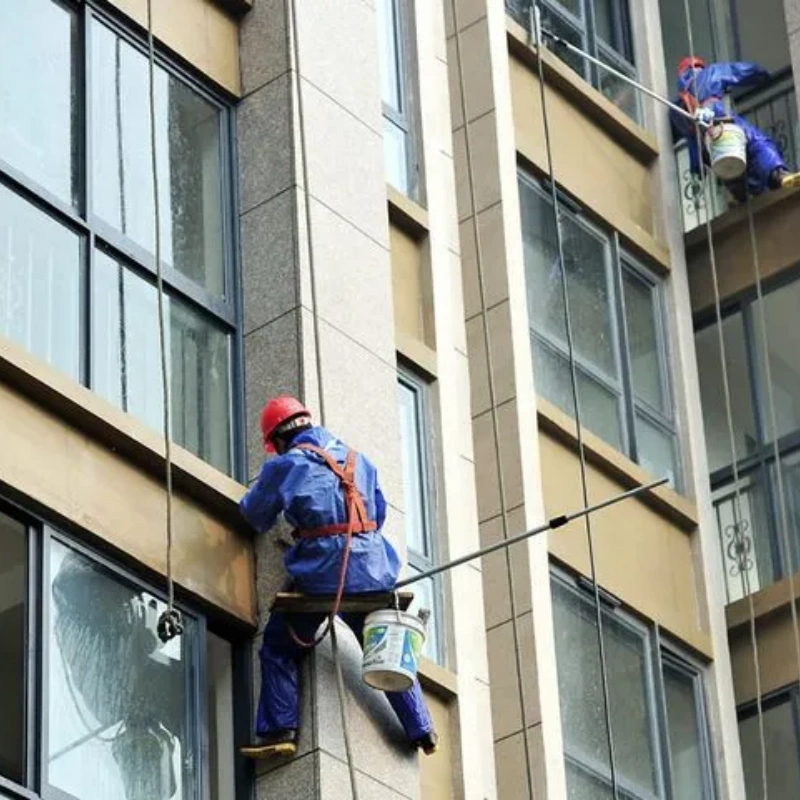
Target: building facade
x: 358, y: 206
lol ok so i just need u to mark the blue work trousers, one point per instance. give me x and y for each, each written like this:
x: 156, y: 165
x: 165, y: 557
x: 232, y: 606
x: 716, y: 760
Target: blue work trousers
x: 281, y: 658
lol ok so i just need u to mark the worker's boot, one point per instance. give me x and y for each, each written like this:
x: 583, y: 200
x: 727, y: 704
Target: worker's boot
x: 429, y: 743
x: 791, y: 180
x: 279, y: 743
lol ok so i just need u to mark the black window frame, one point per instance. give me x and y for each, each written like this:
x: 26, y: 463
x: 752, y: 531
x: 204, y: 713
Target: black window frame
x: 407, y: 118
x: 756, y: 470
x: 619, y: 261
x: 41, y: 532
x: 621, y: 57
x: 659, y: 649
x: 96, y: 234
x: 421, y: 562
x: 785, y: 695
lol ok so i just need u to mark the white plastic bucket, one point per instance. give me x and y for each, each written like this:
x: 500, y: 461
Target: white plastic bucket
x: 393, y: 641
x: 727, y: 149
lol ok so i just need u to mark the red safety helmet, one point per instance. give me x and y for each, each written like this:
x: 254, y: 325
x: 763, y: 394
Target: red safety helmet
x: 277, y: 413
x: 690, y: 62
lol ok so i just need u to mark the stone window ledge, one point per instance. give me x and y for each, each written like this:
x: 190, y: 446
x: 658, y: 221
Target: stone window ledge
x: 766, y: 602
x: 120, y: 432
x: 662, y: 499
x: 437, y: 679
x: 407, y: 214
x: 633, y: 137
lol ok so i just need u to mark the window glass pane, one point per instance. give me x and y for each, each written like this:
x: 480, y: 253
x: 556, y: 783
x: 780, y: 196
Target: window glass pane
x: 583, y: 786
x: 783, y: 339
x: 416, y: 506
x: 395, y: 152
x: 122, y: 713
x: 685, y: 741
x: 13, y: 616
x: 559, y: 26
x: 389, y: 54
x: 621, y: 94
x: 655, y: 449
x: 791, y: 486
x: 746, y: 545
x: 612, y: 24
x: 643, y: 341
x: 586, y: 261
x: 220, y: 718
x: 712, y: 393
x: 599, y: 406
x: 40, y: 269
x: 580, y: 691
x: 575, y: 7
x: 126, y: 362
x: 783, y: 766
x: 38, y: 106
x: 427, y: 595
x: 676, y: 37
x: 190, y: 179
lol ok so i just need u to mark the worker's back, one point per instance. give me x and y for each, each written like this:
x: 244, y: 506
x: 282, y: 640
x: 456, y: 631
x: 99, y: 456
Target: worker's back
x: 300, y: 485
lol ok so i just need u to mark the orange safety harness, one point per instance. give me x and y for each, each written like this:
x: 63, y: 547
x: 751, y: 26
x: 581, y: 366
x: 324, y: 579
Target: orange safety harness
x: 358, y: 521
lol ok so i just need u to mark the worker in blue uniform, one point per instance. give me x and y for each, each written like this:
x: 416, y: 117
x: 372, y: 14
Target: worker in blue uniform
x: 308, y: 484
x: 701, y: 92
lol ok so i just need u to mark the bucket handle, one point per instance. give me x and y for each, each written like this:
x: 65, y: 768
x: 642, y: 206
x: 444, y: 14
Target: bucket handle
x: 396, y: 604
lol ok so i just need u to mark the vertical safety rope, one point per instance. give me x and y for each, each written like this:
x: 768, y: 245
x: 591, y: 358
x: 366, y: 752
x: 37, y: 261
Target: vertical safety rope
x: 782, y: 500
x: 291, y: 9
x: 493, y: 405
x: 536, y: 27
x: 738, y: 518
x: 169, y: 623
x: 298, y: 81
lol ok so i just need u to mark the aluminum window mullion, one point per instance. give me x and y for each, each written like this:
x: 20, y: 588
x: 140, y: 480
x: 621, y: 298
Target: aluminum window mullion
x: 34, y: 636
x: 45, y: 537
x: 754, y: 356
x: 623, y: 348
x: 591, y: 40
x: 662, y: 713
x: 396, y: 118
x: 586, y: 367
x: 176, y: 284
x: 237, y: 376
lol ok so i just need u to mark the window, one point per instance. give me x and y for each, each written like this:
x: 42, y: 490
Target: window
x: 399, y: 104
x: 419, y: 510
x: 619, y: 334
x: 77, y: 269
x: 601, y: 28
x: 766, y: 559
x: 14, y: 613
x: 782, y: 740
x: 96, y: 707
x: 656, y: 706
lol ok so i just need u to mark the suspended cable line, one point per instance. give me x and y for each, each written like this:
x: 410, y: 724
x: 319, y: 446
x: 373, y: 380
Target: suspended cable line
x: 536, y: 30
x: 493, y: 413
x: 738, y: 528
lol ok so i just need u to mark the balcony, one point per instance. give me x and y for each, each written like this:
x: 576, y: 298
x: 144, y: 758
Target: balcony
x: 774, y: 109
x: 752, y: 543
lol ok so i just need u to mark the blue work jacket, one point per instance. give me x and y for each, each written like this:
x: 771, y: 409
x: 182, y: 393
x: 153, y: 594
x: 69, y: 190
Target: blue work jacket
x: 715, y: 81
x: 303, y: 488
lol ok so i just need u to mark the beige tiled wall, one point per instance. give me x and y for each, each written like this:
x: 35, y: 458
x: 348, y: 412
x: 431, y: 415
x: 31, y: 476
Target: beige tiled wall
x: 597, y: 169
x: 197, y: 30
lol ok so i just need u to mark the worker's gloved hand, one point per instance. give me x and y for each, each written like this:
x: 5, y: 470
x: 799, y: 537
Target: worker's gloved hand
x: 704, y: 116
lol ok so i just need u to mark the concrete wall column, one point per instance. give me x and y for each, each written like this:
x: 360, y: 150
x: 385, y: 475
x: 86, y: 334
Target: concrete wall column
x: 330, y: 210
x: 488, y: 208
x: 709, y: 572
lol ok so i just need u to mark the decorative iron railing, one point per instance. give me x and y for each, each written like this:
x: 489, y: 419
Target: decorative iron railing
x: 774, y: 109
